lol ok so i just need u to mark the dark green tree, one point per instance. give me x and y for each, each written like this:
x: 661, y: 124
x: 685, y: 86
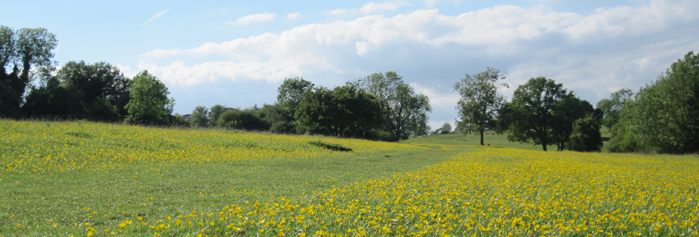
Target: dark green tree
x: 529, y: 117
x: 291, y: 93
x: 586, y: 135
x: 101, y: 87
x: 149, y: 103
x: 565, y: 112
x: 215, y: 112
x: 611, y: 107
x: 248, y: 119
x: 21, y: 50
x: 664, y: 117
x: 445, y: 129
x: 346, y: 111
x: 199, y: 118
x: 480, y: 101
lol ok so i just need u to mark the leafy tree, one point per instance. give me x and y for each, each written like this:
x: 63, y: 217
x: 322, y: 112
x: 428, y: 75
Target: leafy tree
x: 53, y: 101
x: 611, y: 107
x: 565, y: 112
x: 291, y: 93
x: 406, y: 111
x: 445, y: 129
x: 586, y: 135
x: 149, y: 103
x: 242, y: 119
x: 664, y: 117
x: 480, y: 101
x: 100, y: 87
x: 215, y: 112
x: 199, y: 117
x: 21, y: 50
x: 529, y: 116
x: 346, y: 111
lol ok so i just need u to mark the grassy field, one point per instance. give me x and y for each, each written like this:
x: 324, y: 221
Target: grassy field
x: 91, y: 179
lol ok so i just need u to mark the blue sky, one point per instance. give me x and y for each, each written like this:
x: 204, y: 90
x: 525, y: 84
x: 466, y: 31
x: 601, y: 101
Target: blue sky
x: 236, y: 53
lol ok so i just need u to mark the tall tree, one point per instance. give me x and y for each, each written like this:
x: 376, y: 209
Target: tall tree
x: 480, y: 101
x: 149, y: 103
x: 586, y: 135
x: 291, y: 93
x: 664, y: 117
x: 101, y: 88
x: 199, y: 117
x: 529, y: 116
x: 21, y: 50
x: 611, y: 107
x: 565, y: 112
x: 215, y: 112
x: 406, y: 110
x: 346, y: 111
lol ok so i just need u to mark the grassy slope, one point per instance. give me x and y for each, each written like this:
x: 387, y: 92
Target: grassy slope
x: 33, y: 201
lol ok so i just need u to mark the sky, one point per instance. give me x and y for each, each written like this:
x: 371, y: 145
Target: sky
x: 237, y: 53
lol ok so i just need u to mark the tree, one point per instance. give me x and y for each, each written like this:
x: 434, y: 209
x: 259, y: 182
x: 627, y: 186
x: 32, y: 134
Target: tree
x: 445, y: 129
x: 664, y: 116
x: 586, y: 135
x: 21, y: 50
x: 406, y: 111
x: 480, y: 101
x: 564, y: 114
x: 291, y: 93
x: 199, y: 117
x: 611, y: 107
x: 215, y: 112
x: 529, y: 116
x: 149, y: 103
x: 100, y: 87
x: 243, y: 119
x: 346, y: 111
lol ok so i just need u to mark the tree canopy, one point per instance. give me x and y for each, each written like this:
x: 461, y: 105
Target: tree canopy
x: 149, y: 103
x: 479, y: 101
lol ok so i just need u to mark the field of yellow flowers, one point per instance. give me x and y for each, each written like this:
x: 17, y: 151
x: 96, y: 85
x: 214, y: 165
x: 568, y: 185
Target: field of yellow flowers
x: 133, y: 181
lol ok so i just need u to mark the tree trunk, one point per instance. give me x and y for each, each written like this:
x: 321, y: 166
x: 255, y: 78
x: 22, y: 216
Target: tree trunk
x: 482, y: 131
x: 544, y: 144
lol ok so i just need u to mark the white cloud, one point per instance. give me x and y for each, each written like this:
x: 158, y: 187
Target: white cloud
x: 377, y: 7
x: 156, y: 16
x: 126, y: 70
x: 533, y: 41
x: 254, y: 18
x: 293, y: 16
x: 340, y: 11
x: 430, y: 3
x: 437, y: 99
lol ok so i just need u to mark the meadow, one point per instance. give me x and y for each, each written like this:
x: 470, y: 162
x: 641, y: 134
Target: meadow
x: 93, y: 179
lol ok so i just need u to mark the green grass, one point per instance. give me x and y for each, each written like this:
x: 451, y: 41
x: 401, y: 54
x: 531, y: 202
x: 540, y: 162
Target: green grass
x: 103, y: 198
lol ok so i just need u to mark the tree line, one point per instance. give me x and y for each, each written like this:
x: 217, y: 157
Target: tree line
x: 662, y: 117
x: 380, y: 107
x: 33, y: 87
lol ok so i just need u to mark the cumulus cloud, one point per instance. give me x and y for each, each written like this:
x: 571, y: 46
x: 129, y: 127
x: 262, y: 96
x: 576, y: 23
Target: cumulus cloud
x: 593, y: 54
x: 156, y: 16
x: 293, y: 16
x: 254, y: 18
x: 339, y: 11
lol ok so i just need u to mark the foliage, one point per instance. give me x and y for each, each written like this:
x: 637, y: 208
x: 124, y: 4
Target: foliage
x: 149, y: 103
x: 664, y: 116
x: 586, y: 135
x: 199, y: 117
x: 405, y: 110
x: 215, y: 113
x: 21, y: 50
x: 445, y: 129
x: 291, y: 93
x: 479, y: 101
x: 565, y: 113
x: 248, y: 119
x: 345, y: 111
x: 529, y: 117
x: 611, y: 107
